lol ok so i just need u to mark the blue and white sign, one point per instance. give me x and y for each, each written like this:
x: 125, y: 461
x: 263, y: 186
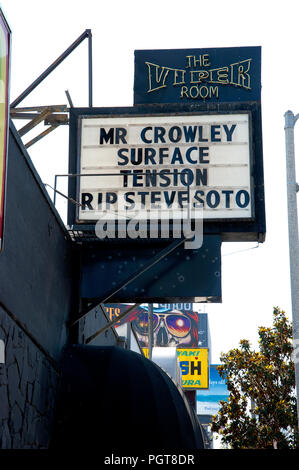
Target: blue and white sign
x: 208, y: 401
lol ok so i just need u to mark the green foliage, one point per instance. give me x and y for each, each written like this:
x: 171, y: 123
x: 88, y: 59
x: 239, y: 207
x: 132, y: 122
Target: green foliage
x: 261, y: 409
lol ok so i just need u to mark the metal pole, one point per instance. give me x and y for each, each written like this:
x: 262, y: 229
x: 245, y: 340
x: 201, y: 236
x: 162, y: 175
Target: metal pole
x: 55, y: 188
x: 150, y: 331
x: 90, y: 67
x: 290, y: 121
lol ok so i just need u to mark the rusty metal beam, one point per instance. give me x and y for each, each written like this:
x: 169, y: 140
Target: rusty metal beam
x: 34, y: 122
x: 51, y: 115
x: 50, y: 120
x: 40, y: 136
x: 56, y: 108
x: 23, y: 116
x: 57, y: 119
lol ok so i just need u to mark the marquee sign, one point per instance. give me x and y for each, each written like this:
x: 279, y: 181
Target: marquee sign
x: 169, y: 157
x: 166, y: 161
x: 197, y: 75
x: 4, y: 109
x: 190, y: 149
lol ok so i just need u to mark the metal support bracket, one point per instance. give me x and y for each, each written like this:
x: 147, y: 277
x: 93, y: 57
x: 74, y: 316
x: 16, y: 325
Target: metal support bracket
x: 45, y: 113
x: 112, y: 323
x: 52, y: 116
x: 162, y: 254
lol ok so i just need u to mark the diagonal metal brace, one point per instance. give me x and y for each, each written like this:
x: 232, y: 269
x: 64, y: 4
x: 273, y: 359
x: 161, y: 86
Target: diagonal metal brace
x: 162, y: 254
x: 86, y: 34
x: 63, y: 195
x: 112, y: 323
x: 39, y: 118
x: 48, y: 114
x: 41, y: 135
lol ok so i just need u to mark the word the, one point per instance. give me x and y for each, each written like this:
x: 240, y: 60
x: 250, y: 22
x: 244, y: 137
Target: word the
x: 202, y: 60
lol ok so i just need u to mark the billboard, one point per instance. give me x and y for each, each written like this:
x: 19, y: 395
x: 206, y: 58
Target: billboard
x: 172, y: 326
x: 194, y: 367
x: 226, y: 74
x: 208, y: 401
x: 160, y: 163
x: 4, y: 112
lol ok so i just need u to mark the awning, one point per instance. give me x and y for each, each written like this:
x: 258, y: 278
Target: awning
x: 111, y: 398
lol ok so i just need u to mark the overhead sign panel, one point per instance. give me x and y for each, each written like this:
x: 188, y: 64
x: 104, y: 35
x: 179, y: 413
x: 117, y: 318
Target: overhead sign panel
x: 4, y: 107
x: 165, y: 161
x: 170, y: 280
x: 227, y: 74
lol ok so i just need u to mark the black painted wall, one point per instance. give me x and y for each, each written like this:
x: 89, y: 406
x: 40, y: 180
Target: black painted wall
x: 38, y: 293
x: 37, y: 272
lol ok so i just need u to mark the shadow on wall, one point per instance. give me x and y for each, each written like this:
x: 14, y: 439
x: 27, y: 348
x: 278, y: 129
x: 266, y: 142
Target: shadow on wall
x: 111, y: 398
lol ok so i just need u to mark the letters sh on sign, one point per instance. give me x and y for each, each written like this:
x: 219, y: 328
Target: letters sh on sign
x: 194, y: 367
x: 161, y: 160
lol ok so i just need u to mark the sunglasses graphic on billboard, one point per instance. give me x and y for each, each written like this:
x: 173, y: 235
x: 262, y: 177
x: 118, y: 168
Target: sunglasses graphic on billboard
x: 171, y: 327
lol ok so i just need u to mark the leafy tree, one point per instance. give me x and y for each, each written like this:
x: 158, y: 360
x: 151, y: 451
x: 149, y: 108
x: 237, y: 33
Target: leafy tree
x: 261, y: 409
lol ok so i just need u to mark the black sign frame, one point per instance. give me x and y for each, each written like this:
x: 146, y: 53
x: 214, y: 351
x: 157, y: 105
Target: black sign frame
x: 230, y: 230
